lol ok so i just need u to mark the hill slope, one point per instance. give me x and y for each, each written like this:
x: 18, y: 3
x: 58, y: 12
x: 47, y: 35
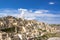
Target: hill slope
x: 27, y: 29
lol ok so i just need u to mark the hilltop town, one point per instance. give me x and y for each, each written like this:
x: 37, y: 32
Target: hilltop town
x: 12, y: 28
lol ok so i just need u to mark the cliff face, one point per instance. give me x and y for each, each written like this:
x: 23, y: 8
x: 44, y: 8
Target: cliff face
x: 25, y: 28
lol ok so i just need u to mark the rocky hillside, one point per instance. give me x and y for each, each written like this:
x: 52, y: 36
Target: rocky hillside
x: 24, y: 29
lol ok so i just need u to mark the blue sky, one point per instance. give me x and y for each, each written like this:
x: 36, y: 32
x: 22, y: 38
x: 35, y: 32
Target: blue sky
x: 42, y: 10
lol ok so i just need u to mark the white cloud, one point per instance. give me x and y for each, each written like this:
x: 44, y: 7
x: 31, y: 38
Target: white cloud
x: 40, y: 15
x: 51, y: 3
x: 22, y: 12
x: 41, y: 11
x: 8, y: 12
